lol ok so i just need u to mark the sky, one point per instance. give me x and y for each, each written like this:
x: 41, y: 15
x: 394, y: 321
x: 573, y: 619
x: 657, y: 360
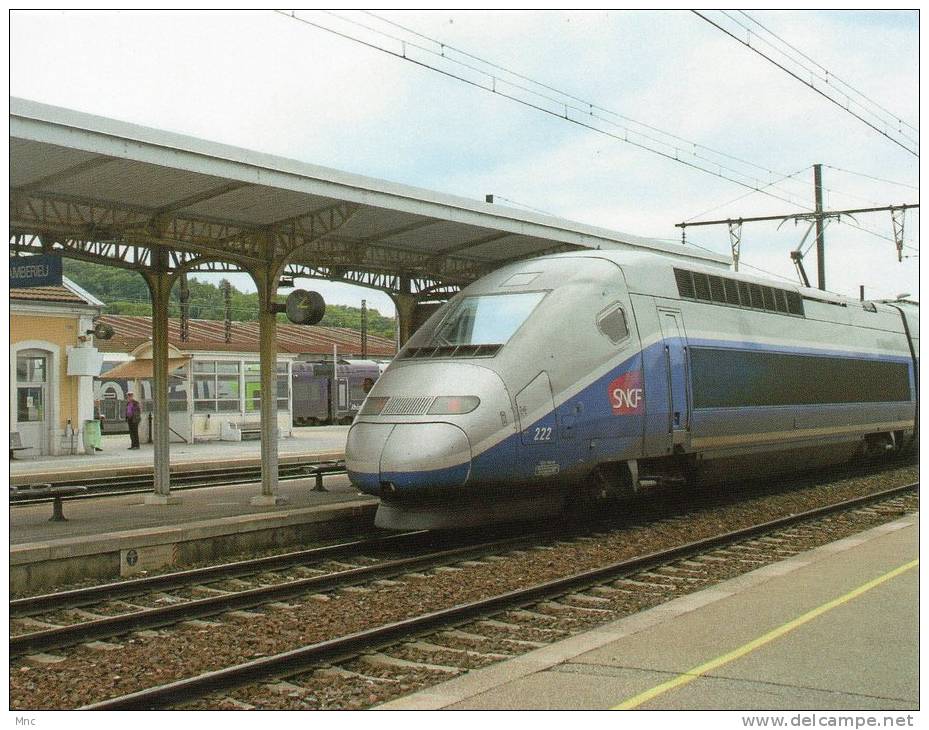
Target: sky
x: 267, y: 82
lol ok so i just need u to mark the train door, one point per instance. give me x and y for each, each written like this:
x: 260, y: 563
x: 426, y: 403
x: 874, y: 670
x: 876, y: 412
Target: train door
x: 535, y: 408
x: 112, y: 408
x: 675, y: 356
x: 341, y: 413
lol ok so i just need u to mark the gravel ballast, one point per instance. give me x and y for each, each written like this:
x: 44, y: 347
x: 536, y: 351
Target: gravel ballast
x: 87, y: 674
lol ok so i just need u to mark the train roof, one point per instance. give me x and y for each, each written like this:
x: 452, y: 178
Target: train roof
x: 648, y: 273
x: 653, y: 274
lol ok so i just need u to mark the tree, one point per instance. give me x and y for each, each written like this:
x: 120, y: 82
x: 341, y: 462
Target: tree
x: 125, y: 292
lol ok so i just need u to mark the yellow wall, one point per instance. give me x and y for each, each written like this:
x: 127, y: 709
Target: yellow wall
x: 61, y: 331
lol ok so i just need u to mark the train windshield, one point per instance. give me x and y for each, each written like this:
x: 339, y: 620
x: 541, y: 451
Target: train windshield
x: 490, y: 319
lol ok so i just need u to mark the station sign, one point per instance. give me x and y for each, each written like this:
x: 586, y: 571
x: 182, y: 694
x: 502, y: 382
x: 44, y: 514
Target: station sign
x: 32, y: 271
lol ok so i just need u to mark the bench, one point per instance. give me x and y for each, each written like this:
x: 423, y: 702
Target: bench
x: 43, y: 491
x: 16, y: 444
x: 232, y: 431
x: 321, y: 469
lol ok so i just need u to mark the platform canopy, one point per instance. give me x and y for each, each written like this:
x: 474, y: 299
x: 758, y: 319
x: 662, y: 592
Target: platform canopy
x: 111, y: 192
x: 164, y: 204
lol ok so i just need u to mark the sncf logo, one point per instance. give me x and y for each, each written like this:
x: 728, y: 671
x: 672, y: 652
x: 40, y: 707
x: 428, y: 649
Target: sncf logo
x: 627, y: 397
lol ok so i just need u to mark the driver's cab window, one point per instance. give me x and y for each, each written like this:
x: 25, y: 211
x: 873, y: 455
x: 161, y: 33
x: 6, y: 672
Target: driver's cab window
x: 612, y: 323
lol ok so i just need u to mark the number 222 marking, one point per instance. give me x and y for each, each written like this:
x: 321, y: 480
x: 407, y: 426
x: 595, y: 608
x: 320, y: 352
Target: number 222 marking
x: 543, y: 434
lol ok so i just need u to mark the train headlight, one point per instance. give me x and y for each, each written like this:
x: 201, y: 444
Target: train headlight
x: 454, y: 405
x: 373, y: 406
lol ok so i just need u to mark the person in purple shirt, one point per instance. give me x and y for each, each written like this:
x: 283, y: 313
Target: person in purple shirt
x: 133, y: 417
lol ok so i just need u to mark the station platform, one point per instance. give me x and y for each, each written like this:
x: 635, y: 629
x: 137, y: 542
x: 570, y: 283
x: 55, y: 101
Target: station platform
x: 833, y: 629
x: 319, y: 442
x: 107, y: 537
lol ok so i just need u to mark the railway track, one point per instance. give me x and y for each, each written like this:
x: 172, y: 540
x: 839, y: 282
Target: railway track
x: 370, y: 642
x: 227, y: 476
x: 470, y: 632
x: 194, y: 594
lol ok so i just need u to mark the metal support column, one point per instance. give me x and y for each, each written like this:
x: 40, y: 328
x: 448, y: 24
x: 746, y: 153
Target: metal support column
x: 406, y: 311
x: 735, y: 240
x: 897, y: 216
x: 266, y: 282
x: 159, y: 286
x: 820, y: 234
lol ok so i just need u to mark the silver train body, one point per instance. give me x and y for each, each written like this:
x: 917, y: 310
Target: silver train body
x: 618, y: 369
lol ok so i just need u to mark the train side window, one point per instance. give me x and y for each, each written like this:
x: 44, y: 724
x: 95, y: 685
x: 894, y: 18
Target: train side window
x: 612, y: 322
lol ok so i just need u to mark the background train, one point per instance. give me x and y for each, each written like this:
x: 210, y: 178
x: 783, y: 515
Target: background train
x: 317, y: 396
x: 597, y: 373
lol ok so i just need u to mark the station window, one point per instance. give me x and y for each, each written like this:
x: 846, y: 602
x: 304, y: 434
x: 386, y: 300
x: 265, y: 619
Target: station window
x: 177, y: 390
x: 30, y: 369
x: 216, y: 387
x: 253, y: 387
x: 612, y: 323
x: 30, y: 390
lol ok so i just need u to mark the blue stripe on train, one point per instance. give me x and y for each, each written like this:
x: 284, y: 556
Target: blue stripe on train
x: 598, y: 434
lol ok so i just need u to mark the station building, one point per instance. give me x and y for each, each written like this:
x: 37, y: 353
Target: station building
x: 214, y: 387
x: 52, y: 365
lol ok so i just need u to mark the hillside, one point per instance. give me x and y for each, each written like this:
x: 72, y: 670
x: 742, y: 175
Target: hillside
x: 125, y: 292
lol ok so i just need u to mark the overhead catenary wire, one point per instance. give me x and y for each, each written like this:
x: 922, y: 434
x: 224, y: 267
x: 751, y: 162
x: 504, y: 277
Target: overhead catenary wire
x: 766, y: 272
x: 523, y: 205
x: 846, y: 107
x: 830, y: 190
x: 872, y: 177
x: 582, y: 116
x: 828, y: 79
x: 547, y: 87
x: 831, y: 77
x: 744, y: 195
x: 741, y: 260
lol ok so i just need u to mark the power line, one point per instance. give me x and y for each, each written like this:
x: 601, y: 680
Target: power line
x: 834, y: 215
x: 523, y: 205
x: 745, y: 195
x: 589, y: 108
x: 829, y: 79
x: 741, y: 262
x: 875, y: 234
x: 547, y: 87
x: 567, y: 108
x: 846, y: 107
x: 673, y: 151
x: 872, y: 177
x: 832, y: 75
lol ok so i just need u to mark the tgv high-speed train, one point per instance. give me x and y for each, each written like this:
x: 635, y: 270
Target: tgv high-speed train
x: 603, y: 371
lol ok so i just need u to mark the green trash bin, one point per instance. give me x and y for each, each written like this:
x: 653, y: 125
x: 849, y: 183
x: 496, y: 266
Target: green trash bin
x: 92, y: 437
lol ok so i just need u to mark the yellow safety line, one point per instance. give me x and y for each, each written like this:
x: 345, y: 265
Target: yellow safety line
x: 698, y: 671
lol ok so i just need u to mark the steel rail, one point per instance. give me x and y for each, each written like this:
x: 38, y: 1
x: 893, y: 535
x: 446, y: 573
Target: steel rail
x: 197, y: 609
x: 342, y: 648
x: 32, y: 605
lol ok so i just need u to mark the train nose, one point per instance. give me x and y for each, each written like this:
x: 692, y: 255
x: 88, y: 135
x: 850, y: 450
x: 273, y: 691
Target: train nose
x: 392, y: 458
